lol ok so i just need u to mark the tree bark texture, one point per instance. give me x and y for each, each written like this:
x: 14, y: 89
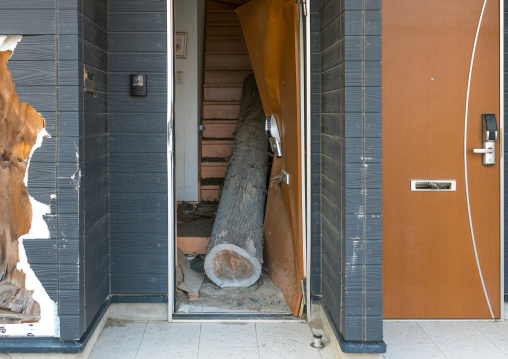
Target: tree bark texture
x: 235, y: 250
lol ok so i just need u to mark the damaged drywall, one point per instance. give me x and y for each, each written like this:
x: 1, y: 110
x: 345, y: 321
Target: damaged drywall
x: 25, y: 307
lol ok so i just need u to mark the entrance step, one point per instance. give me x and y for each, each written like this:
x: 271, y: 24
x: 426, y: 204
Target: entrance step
x: 221, y: 110
x: 212, y: 147
x: 194, y: 226
x: 219, y: 128
x: 222, y: 92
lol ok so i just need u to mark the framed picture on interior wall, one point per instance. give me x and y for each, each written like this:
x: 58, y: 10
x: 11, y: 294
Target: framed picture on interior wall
x: 181, y: 45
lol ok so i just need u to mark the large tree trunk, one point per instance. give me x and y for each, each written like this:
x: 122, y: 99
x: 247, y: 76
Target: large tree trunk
x: 235, y: 250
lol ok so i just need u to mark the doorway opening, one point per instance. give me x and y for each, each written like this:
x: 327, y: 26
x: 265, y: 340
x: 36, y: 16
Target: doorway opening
x: 236, y: 48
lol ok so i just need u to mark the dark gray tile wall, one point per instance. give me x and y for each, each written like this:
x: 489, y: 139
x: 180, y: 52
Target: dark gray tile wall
x: 315, y: 147
x: 351, y: 222
x: 138, y: 190
x: 45, y: 71
x: 33, y: 68
x: 94, y: 136
x: 82, y: 180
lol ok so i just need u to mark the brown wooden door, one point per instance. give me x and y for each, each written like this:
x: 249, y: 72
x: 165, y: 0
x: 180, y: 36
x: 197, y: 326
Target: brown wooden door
x: 270, y: 29
x: 429, y: 265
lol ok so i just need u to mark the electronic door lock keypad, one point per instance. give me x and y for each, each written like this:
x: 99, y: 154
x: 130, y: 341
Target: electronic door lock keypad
x: 489, y: 126
x: 489, y: 138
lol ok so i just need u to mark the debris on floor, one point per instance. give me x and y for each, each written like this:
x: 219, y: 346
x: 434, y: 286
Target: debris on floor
x: 187, y: 279
x: 261, y: 297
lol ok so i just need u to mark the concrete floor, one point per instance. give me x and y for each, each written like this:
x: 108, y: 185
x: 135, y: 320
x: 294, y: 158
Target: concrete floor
x: 125, y: 339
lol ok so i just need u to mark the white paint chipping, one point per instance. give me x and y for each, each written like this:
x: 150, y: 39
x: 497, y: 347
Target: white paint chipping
x: 49, y: 324
x: 38, y: 230
x: 9, y: 42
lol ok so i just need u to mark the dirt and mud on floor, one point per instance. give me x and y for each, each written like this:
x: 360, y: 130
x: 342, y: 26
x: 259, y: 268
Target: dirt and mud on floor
x: 261, y: 297
x: 196, y: 220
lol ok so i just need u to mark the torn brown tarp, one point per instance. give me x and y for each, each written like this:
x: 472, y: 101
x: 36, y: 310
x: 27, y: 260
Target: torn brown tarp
x: 270, y: 28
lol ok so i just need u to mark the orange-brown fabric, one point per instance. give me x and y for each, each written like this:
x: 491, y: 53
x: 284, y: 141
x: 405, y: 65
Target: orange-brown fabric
x: 270, y: 29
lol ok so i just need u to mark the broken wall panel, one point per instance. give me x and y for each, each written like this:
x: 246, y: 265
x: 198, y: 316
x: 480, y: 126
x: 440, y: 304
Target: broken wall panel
x: 25, y: 299
x: 41, y: 174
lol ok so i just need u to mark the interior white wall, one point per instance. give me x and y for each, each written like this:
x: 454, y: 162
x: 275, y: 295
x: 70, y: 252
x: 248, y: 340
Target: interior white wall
x: 189, y: 18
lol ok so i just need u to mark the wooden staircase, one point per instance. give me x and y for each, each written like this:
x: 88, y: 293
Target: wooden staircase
x: 226, y: 64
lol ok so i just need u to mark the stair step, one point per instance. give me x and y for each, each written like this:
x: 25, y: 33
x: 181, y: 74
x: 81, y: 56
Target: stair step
x: 228, y: 38
x: 228, y: 76
x: 212, y: 85
x: 227, y: 17
x: 230, y: 45
x: 211, y: 23
x: 211, y: 189
x: 219, y: 30
x: 213, y: 169
x: 210, y: 193
x: 219, y: 5
x: 227, y: 53
x: 223, y: 93
x: 216, y: 147
x: 219, y: 128
x: 221, y: 61
x: 221, y: 110
x: 220, y: 11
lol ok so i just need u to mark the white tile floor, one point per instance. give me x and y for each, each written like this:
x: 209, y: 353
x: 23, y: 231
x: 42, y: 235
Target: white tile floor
x: 446, y: 340
x: 405, y: 340
x: 153, y: 340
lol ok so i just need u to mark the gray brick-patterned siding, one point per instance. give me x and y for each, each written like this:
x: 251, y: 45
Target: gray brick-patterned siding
x: 138, y: 180
x: 315, y: 147
x: 47, y: 67
x: 94, y: 135
x: 82, y: 179
x: 351, y: 159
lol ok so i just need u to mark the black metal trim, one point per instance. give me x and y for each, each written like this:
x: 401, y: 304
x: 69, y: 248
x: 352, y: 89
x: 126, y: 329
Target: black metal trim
x: 233, y: 316
x: 353, y: 346
x: 123, y: 298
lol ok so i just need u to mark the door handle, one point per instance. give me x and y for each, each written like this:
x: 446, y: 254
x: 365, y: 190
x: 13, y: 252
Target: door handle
x: 489, y: 138
x: 483, y: 150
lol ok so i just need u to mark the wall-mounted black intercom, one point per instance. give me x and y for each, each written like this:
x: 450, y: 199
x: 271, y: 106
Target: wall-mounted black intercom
x: 138, y: 84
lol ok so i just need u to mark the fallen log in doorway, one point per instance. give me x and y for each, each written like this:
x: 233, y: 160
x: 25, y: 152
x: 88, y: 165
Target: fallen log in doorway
x: 235, y: 250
